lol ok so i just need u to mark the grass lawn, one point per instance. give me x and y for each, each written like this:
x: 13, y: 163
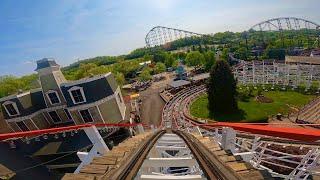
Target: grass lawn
x: 253, y: 111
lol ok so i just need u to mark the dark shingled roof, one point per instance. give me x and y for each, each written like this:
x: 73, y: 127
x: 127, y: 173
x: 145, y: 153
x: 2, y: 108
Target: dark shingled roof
x: 37, y: 102
x: 94, y: 91
x: 46, y: 62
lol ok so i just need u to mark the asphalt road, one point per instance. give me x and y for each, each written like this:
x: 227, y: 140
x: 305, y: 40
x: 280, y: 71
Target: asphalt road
x: 151, y: 107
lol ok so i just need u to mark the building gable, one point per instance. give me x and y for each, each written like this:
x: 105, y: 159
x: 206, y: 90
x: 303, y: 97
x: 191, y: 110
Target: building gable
x: 36, y: 103
x: 93, y: 90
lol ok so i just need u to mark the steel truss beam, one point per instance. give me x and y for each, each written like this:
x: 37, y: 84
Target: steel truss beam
x: 285, y: 23
x: 266, y: 73
x: 160, y: 35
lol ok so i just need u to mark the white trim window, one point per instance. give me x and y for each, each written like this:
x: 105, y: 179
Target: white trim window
x: 68, y: 114
x: 53, y: 97
x: 11, y: 108
x: 77, y: 95
x: 22, y: 126
x: 54, y: 116
x: 86, y: 115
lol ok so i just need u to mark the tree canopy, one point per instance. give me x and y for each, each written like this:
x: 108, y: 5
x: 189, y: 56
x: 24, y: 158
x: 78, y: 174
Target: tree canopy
x: 210, y: 59
x: 221, y: 90
x: 195, y: 58
x: 160, y: 67
x: 145, y: 75
x: 11, y: 84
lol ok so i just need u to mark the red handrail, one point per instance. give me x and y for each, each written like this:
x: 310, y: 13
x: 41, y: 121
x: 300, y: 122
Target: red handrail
x: 59, y: 129
x: 283, y: 132
x: 301, y: 134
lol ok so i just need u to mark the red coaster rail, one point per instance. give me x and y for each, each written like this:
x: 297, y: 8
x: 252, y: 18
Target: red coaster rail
x: 301, y: 134
x: 60, y: 129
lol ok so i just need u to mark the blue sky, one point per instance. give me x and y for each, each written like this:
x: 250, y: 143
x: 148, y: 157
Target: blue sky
x: 76, y: 29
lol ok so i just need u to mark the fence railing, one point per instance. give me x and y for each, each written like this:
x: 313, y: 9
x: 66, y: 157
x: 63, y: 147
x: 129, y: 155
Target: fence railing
x: 275, y: 149
x: 33, y: 133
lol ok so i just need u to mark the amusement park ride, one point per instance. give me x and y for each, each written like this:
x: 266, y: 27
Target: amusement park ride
x: 160, y: 35
x: 178, y: 147
x: 273, y: 73
x: 294, y: 151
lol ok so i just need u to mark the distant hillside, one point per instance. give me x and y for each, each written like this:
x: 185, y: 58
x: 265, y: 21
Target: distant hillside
x: 99, y: 60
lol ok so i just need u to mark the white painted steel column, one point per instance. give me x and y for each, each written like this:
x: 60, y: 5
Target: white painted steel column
x: 228, y: 139
x: 98, y: 149
x: 96, y: 139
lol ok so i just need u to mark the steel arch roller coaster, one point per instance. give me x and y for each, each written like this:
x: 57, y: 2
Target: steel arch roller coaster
x: 285, y: 23
x: 160, y: 35
x: 282, y: 24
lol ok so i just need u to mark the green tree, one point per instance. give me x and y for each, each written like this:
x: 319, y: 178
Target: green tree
x: 147, y: 57
x: 159, y: 56
x: 120, y: 78
x: 99, y: 70
x: 169, y: 60
x: 181, y: 55
x: 275, y: 53
x: 84, y: 70
x: 210, y: 59
x: 225, y: 54
x: 11, y: 84
x: 242, y: 53
x: 195, y: 58
x: 137, y: 53
x: 221, y: 90
x: 200, y: 49
x: 175, y: 64
x: 145, y: 75
x: 206, y: 48
x: 160, y: 67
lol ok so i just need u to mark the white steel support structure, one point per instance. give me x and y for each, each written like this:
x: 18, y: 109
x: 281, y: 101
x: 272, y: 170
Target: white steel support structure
x: 170, y: 158
x: 98, y: 149
x: 285, y: 75
x: 266, y: 154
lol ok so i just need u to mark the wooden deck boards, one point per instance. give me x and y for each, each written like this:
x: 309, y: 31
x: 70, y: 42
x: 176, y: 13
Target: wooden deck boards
x: 101, y: 166
x: 244, y: 169
x: 6, y: 173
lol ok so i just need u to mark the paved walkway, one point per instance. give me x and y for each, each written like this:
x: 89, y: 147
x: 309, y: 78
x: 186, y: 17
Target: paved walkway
x: 151, y: 108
